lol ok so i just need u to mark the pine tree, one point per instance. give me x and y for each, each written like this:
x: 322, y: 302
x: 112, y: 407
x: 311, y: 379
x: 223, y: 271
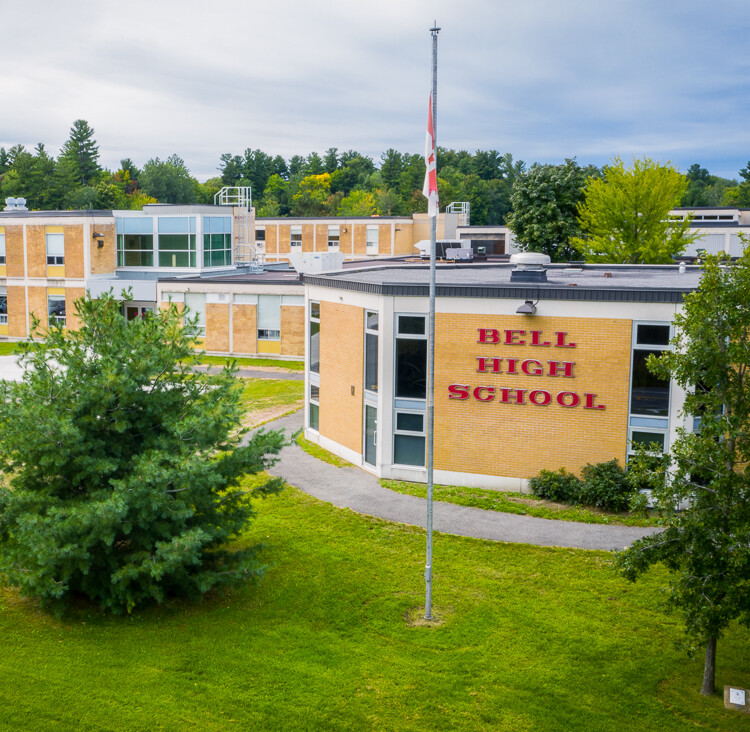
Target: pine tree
x: 82, y: 152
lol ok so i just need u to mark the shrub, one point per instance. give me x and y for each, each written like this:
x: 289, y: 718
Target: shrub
x: 605, y: 486
x: 556, y: 485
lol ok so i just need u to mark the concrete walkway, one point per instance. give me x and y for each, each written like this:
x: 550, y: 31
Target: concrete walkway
x: 360, y: 491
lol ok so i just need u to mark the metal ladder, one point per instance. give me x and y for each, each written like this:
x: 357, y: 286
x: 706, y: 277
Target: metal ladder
x: 245, y: 252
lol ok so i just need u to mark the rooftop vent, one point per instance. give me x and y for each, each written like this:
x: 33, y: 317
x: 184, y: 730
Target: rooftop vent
x: 15, y: 204
x: 529, y: 267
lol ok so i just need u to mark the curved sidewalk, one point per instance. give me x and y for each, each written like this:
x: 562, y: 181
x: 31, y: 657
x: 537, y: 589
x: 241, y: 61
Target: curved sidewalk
x: 360, y: 491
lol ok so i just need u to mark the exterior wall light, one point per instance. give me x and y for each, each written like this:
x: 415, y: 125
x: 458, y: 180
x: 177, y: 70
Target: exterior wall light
x: 528, y: 308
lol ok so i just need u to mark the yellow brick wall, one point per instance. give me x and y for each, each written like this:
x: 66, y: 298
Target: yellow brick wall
x: 16, y: 311
x: 72, y: 294
x: 36, y: 251
x: 321, y: 238
x: 38, y: 305
x: 307, y: 238
x: 404, y: 239
x: 14, y: 251
x: 519, y: 440
x: 245, y: 328
x: 359, y: 234
x: 103, y: 259
x: 341, y: 357
x: 292, y: 330
x: 217, y: 326
x: 73, y: 251
x: 283, y: 232
x: 384, y: 239
x: 345, y: 238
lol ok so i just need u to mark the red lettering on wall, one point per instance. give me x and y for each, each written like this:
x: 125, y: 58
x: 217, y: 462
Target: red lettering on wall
x: 532, y: 367
x: 566, y: 367
x: 535, y: 336
x: 512, y: 366
x: 589, y: 402
x: 458, y: 391
x: 561, y: 336
x: 490, y: 393
x: 575, y: 400
x: 488, y: 335
x: 540, y: 397
x: 494, y: 365
x: 510, y: 338
x: 508, y: 395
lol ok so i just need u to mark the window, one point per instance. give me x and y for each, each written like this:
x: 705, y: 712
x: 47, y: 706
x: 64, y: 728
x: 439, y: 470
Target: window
x: 196, y: 303
x: 314, y: 406
x: 649, y: 395
x: 260, y: 239
x: 411, y: 357
x: 295, y: 236
x: 2, y: 246
x: 314, y: 336
x: 55, y: 249
x: 135, y: 242
x: 177, y: 241
x: 409, y: 438
x: 269, y: 317
x: 3, y: 306
x: 371, y: 351
x: 56, y: 309
x: 333, y: 238
x: 217, y: 241
x: 373, y: 239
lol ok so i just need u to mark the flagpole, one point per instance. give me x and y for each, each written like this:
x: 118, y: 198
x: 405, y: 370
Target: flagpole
x: 431, y: 349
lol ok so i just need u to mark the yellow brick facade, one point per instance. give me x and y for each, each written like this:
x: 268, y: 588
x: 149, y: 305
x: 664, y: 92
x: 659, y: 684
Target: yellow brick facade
x: 38, y: 305
x: 14, y: 266
x: 341, y: 350
x: 518, y: 440
x: 217, y: 327
x: 17, y: 311
x: 71, y: 295
x: 103, y: 258
x: 74, y: 266
x: 36, y: 251
x: 293, y: 331
x: 245, y: 328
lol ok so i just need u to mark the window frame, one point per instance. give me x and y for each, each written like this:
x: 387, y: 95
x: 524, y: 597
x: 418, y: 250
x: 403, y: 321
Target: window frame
x: 294, y: 232
x: 334, y: 238
x: 54, y: 260
x: 59, y: 319
x: 373, y: 333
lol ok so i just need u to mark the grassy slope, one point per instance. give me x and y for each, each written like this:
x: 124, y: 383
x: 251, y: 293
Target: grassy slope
x: 518, y: 503
x: 531, y: 638
x: 261, y: 394
x: 254, y: 362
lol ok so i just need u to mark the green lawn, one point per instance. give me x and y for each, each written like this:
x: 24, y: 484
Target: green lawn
x: 254, y: 362
x: 318, y: 452
x: 519, y: 503
x: 528, y: 639
x: 8, y: 348
x: 262, y: 394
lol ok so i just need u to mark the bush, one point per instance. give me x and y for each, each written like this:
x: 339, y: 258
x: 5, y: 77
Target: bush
x: 556, y: 485
x: 605, y: 486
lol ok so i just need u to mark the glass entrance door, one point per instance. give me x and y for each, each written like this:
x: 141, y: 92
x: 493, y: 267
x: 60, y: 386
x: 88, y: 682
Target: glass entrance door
x: 371, y: 434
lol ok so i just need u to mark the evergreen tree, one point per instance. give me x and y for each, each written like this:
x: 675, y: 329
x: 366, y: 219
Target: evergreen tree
x: 82, y: 152
x: 124, y: 467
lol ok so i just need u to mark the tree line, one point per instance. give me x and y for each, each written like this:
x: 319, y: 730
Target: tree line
x: 332, y: 184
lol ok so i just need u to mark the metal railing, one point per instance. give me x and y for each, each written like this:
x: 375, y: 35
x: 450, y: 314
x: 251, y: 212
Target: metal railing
x: 245, y: 251
x: 463, y: 209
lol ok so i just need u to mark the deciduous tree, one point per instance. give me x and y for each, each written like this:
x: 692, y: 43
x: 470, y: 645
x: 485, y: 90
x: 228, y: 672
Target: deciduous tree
x: 706, y: 545
x: 123, y: 469
x: 544, y: 200
x: 624, y: 214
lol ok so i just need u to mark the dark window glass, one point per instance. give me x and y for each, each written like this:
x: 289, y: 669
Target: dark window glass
x: 650, y: 394
x: 314, y: 392
x: 409, y: 422
x: 647, y: 439
x: 371, y: 321
x: 315, y: 310
x: 260, y: 235
x: 411, y: 368
x: 314, y: 347
x: 408, y: 450
x: 653, y: 335
x: 314, y: 416
x: 411, y: 324
x: 371, y: 362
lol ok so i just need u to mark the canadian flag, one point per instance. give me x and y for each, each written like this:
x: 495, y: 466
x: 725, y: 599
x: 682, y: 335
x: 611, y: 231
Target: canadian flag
x: 429, y: 189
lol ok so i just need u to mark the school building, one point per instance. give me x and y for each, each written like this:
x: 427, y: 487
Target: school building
x: 536, y: 366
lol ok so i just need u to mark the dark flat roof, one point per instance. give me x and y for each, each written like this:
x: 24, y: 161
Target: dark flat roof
x: 55, y: 214
x: 613, y: 283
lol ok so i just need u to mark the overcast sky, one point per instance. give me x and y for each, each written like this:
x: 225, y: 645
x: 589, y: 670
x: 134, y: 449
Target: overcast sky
x: 541, y: 79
